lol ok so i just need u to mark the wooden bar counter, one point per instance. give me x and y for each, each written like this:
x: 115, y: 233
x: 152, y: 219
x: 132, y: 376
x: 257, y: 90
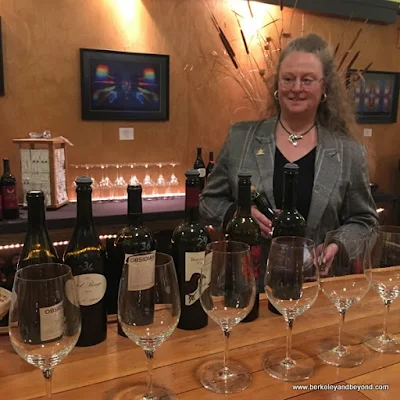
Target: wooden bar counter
x: 106, y: 371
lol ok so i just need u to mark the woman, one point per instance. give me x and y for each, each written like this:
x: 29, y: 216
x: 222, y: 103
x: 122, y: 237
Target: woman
x: 313, y: 127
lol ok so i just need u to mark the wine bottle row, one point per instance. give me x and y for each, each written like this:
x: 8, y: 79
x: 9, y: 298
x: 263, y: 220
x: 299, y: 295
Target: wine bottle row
x: 136, y: 246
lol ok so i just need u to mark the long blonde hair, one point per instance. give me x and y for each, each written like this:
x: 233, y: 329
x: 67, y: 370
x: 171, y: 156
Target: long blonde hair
x: 337, y: 112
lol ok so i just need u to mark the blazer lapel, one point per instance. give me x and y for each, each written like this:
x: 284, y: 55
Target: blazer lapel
x: 264, y: 153
x: 327, y: 171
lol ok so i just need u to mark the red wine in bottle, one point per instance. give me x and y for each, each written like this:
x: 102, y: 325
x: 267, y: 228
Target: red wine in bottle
x: 131, y: 240
x: 210, y: 165
x: 86, y: 256
x: 38, y: 248
x: 189, y: 242
x: 8, y: 186
x: 243, y: 228
x: 288, y: 222
x: 201, y: 167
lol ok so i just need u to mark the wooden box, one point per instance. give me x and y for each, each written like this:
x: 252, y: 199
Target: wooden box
x: 44, y: 167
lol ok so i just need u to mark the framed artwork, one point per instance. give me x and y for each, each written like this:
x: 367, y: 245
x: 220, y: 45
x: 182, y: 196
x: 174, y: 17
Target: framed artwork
x: 124, y: 86
x: 1, y: 65
x: 375, y: 96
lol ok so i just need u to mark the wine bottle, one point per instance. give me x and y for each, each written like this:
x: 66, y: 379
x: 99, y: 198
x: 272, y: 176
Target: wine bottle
x: 288, y: 222
x: 189, y: 242
x: 131, y: 240
x: 201, y: 167
x: 8, y: 186
x: 263, y: 204
x: 85, y: 254
x: 210, y: 165
x: 243, y: 228
x: 38, y: 247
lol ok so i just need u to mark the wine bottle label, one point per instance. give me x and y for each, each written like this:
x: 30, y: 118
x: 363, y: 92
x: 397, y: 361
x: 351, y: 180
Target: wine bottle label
x: 141, y: 270
x: 256, y: 257
x: 253, y: 265
x: 202, y: 172
x: 9, y: 194
x: 51, y: 322
x: 206, y: 271
x: 90, y: 287
x: 194, y: 262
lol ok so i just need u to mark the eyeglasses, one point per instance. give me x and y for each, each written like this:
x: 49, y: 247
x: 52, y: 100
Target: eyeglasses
x: 305, y: 83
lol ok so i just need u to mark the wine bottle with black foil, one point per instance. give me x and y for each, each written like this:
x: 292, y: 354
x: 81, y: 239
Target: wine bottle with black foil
x: 210, y: 165
x: 86, y: 256
x: 131, y: 240
x: 8, y: 187
x: 263, y: 205
x: 189, y: 242
x: 38, y: 248
x: 288, y: 222
x: 243, y: 228
x: 201, y: 167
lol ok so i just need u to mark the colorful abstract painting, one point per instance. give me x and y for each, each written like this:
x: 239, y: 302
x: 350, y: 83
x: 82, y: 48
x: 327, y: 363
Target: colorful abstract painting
x: 118, y: 85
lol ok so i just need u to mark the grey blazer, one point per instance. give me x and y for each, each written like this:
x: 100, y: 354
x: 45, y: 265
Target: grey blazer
x: 341, y: 197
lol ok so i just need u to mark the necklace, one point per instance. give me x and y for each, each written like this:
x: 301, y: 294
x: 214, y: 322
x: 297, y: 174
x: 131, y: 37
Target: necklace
x: 294, y: 137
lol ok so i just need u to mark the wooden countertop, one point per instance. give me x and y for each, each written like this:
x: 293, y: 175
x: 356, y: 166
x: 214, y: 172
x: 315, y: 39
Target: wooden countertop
x: 107, y: 370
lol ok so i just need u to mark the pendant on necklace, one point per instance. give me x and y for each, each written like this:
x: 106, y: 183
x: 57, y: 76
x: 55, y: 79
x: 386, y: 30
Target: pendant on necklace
x: 293, y: 138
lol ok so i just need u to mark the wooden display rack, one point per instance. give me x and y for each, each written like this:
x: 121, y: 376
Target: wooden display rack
x: 44, y: 167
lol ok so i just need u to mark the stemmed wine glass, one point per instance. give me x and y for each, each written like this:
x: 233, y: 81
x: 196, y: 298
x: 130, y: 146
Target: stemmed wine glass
x: 385, y: 279
x: 227, y: 294
x: 344, y: 267
x: 148, y: 311
x: 291, y: 285
x: 45, y: 320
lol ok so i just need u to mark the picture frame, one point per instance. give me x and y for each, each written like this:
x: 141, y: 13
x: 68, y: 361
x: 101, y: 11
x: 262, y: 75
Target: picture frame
x: 124, y: 86
x: 2, y: 91
x: 375, y: 96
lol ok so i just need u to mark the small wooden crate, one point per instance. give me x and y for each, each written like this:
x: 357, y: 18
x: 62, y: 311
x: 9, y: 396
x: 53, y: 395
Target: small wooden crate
x: 44, y: 167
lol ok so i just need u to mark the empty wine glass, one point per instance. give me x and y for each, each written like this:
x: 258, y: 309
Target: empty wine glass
x: 227, y: 294
x: 385, y: 279
x: 344, y: 267
x: 119, y: 186
x: 148, y: 311
x: 45, y: 322
x: 133, y: 181
x: 105, y: 184
x: 291, y: 285
x: 148, y: 183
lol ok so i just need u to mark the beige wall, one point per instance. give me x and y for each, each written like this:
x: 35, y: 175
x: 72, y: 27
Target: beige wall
x: 41, y: 41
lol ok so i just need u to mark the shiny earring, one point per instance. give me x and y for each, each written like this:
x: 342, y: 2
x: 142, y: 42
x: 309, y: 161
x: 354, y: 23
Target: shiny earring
x: 276, y: 97
x: 323, y: 98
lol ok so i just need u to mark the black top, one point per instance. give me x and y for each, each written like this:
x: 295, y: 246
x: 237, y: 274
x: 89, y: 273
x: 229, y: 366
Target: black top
x: 306, y: 180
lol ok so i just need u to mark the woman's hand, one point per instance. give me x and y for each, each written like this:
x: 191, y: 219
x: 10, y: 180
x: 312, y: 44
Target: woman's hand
x: 325, y: 260
x: 264, y: 223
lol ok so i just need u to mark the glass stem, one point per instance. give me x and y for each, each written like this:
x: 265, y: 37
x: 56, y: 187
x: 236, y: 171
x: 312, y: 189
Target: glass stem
x: 226, y: 347
x: 289, y: 328
x: 341, y: 322
x: 48, y: 373
x: 386, y: 315
x: 149, y: 361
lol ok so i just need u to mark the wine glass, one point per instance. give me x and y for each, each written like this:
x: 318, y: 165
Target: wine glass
x: 227, y: 294
x: 344, y: 267
x: 291, y: 285
x: 148, y: 311
x: 385, y: 279
x: 45, y: 320
x: 119, y: 186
